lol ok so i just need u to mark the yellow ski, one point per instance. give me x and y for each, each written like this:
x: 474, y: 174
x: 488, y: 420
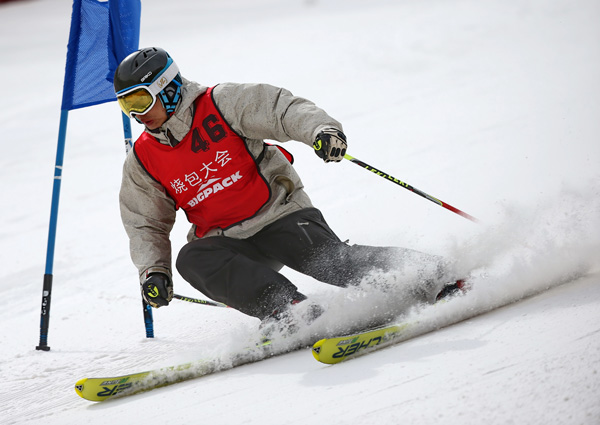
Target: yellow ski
x: 100, y: 389
x: 335, y: 350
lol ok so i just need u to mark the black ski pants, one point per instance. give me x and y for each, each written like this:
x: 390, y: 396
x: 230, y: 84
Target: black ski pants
x: 244, y: 273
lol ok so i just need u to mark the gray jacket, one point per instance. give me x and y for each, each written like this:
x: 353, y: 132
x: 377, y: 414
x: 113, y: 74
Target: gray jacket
x: 255, y: 112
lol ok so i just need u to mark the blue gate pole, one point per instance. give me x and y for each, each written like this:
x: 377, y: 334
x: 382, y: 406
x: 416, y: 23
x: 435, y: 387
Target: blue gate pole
x: 47, y: 287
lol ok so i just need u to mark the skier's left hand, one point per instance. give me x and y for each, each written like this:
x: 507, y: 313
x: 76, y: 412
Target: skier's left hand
x: 330, y: 145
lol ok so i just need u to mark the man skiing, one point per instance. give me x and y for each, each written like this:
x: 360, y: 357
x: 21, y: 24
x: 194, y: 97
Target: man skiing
x: 203, y: 150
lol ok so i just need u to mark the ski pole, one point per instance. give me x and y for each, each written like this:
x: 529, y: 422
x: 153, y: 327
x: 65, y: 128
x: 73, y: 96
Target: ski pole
x: 146, y: 309
x: 199, y: 301
x: 409, y: 187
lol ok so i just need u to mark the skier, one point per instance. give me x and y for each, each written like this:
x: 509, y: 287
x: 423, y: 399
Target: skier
x: 203, y: 150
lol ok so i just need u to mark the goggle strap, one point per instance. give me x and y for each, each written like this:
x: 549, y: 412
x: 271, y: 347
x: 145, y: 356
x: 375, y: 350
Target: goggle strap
x: 163, y: 79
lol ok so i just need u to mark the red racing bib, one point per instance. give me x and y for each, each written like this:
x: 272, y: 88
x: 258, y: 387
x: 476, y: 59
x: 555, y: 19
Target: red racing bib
x: 210, y: 174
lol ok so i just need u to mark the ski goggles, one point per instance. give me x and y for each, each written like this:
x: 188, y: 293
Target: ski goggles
x: 140, y: 99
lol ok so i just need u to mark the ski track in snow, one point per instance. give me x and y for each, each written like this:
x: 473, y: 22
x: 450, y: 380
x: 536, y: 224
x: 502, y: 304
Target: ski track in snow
x: 491, y: 106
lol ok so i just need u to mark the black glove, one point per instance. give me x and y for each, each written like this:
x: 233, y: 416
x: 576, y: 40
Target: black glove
x: 157, y: 290
x: 330, y: 145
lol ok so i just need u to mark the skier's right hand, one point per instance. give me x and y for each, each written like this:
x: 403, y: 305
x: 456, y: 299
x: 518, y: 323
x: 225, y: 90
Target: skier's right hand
x: 157, y: 290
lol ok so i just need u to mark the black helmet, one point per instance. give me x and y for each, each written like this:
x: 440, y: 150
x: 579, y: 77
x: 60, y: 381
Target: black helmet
x: 143, y: 68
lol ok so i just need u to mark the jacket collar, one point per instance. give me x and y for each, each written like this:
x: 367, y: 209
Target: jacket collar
x: 180, y: 123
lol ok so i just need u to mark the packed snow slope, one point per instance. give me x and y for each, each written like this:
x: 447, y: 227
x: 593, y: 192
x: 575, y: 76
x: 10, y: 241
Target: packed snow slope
x: 492, y: 106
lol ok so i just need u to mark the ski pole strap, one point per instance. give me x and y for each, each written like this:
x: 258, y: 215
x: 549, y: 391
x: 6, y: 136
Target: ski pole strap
x: 409, y: 187
x: 199, y: 301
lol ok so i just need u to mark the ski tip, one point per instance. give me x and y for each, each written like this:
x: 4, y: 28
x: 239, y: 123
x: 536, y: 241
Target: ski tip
x: 79, y: 385
x: 316, y: 350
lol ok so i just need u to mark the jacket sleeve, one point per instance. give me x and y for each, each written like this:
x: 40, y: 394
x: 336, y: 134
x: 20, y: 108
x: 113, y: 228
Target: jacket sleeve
x: 262, y: 111
x: 148, y: 215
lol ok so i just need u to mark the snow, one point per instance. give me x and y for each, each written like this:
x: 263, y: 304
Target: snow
x: 491, y: 106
